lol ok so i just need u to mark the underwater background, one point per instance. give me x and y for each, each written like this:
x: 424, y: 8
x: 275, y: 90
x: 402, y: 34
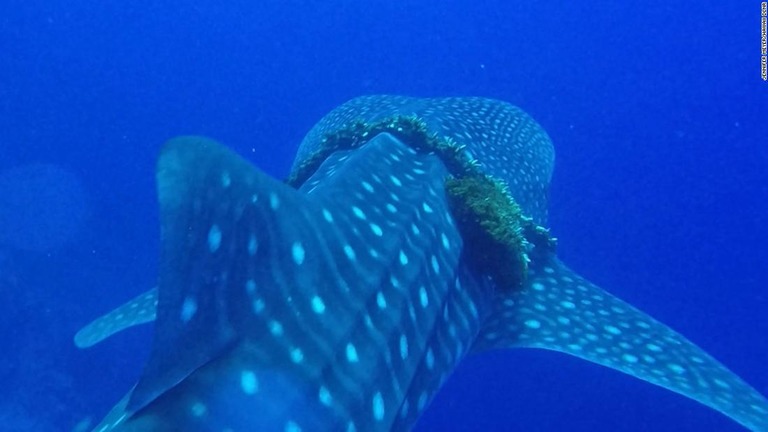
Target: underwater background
x: 660, y: 194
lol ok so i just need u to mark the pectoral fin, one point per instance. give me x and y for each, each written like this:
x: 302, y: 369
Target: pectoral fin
x: 561, y: 311
x: 136, y: 311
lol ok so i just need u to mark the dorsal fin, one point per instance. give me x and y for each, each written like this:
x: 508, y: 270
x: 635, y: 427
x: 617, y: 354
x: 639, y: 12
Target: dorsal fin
x: 561, y: 311
x: 255, y: 272
x: 201, y: 189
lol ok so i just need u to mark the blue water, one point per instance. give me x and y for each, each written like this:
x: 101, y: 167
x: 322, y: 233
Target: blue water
x: 657, y: 111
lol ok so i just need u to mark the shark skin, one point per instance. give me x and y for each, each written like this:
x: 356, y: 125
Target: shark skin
x: 346, y: 303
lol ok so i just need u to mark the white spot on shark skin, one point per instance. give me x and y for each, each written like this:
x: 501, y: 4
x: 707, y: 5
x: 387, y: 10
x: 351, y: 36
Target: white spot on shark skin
x: 358, y: 213
x: 403, y: 347
x: 297, y: 250
x: 248, y: 382
x: 446, y: 243
x: 415, y: 229
x: 291, y: 426
x: 253, y: 245
x: 258, y: 306
x: 404, y: 409
x: 198, y: 409
x: 391, y: 208
x: 188, y: 309
x: 423, y: 297
x: 403, y: 258
x: 758, y: 408
x: 275, y: 328
x: 537, y: 286
x: 473, y: 309
x: 226, y: 180
x: 352, y: 353
x: 430, y: 359
x: 435, y: 264
x: 427, y: 208
x: 376, y: 230
x: 381, y: 301
x: 214, y: 238
x: 643, y: 324
x: 396, y: 181
x: 567, y: 304
x: 349, y: 252
x: 327, y: 216
x: 367, y: 186
x: 629, y: 358
x: 612, y: 330
x: 297, y: 356
x: 422, y: 403
x: 325, y: 396
x: 532, y: 324
x: 378, y: 407
x: 411, y: 312
x: 318, y: 305
x: 274, y: 201
x: 250, y: 286
x: 676, y: 368
x: 653, y: 347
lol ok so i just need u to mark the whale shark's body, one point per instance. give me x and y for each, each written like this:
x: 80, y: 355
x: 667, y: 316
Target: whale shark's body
x: 344, y: 303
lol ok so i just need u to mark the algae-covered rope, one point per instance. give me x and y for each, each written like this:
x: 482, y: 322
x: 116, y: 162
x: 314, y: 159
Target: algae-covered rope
x: 498, y: 237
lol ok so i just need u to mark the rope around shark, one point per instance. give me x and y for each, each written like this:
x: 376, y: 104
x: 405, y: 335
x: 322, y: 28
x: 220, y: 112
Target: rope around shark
x: 490, y: 220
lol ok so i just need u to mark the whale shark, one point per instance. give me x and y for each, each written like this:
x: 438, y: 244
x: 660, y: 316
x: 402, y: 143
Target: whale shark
x: 342, y: 298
